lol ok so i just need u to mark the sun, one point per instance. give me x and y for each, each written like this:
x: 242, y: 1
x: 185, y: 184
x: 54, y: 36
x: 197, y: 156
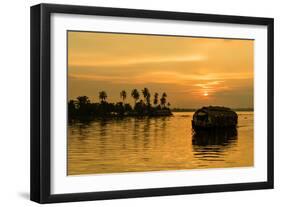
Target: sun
x: 205, y: 94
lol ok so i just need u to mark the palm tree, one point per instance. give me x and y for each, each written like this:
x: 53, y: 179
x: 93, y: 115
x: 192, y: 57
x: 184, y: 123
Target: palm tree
x: 72, y: 109
x: 148, y: 99
x: 146, y: 95
x: 83, y: 100
x: 163, y: 99
x: 155, y: 101
x: 135, y: 94
x: 123, y: 95
x: 168, y: 104
x: 102, y: 96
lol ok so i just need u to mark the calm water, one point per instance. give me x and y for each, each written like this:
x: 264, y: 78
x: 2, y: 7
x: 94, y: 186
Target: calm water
x: 152, y: 144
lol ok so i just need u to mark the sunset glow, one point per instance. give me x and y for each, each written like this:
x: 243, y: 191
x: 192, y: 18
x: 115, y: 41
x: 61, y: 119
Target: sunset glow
x: 192, y: 71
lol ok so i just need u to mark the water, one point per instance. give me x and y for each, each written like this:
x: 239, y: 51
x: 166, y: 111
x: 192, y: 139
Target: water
x: 153, y: 144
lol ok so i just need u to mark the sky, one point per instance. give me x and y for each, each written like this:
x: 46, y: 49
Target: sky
x: 193, y: 71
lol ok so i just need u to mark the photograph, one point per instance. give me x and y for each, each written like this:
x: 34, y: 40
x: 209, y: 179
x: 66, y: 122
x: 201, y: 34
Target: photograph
x: 153, y: 102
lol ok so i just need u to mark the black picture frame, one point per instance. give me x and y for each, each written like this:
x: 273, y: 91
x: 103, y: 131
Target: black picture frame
x: 40, y: 103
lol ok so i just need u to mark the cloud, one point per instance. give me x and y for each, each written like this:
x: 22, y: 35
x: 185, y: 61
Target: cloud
x: 90, y: 61
x: 164, y: 77
x: 210, y: 87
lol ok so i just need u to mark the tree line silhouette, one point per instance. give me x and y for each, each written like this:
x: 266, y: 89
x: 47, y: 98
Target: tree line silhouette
x: 83, y: 108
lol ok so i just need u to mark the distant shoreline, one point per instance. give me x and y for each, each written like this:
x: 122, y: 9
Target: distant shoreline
x: 193, y: 110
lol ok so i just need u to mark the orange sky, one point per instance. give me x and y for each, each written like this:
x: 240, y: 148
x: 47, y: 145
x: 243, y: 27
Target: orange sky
x: 192, y: 71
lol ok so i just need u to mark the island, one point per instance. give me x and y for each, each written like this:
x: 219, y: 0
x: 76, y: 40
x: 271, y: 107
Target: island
x: 83, y: 109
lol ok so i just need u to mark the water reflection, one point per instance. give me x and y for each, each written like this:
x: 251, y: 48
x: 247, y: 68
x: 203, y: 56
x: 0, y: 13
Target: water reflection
x: 212, y: 145
x: 214, y: 137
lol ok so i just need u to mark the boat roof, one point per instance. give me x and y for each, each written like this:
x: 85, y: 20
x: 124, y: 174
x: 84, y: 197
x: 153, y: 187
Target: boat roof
x: 216, y: 110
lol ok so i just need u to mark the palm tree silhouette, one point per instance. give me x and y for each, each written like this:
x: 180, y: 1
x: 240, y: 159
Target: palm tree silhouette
x: 146, y: 95
x: 83, y: 100
x: 163, y: 99
x: 155, y: 101
x: 102, y: 96
x: 123, y: 95
x: 135, y: 94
